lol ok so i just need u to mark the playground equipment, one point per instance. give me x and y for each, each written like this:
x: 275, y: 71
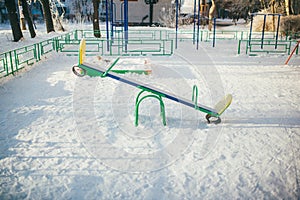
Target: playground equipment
x: 263, y: 29
x: 111, y: 17
x: 83, y: 68
x: 268, y: 42
x: 283, y: 46
x: 200, y: 13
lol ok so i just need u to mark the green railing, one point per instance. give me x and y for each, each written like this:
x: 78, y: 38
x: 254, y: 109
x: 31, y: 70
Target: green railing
x: 226, y: 35
x: 204, y: 35
x: 169, y: 34
x: 140, y: 42
x: 14, y: 60
x: 268, y: 46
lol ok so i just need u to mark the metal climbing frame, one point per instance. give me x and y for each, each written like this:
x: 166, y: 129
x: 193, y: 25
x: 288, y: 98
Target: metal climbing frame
x: 263, y: 29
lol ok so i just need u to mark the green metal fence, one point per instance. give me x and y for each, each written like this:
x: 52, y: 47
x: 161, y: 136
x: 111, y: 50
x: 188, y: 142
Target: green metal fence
x: 140, y: 42
x: 14, y: 60
x: 269, y: 46
x: 146, y: 44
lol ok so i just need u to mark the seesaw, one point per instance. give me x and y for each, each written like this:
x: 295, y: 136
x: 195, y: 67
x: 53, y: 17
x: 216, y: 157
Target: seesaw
x: 84, y: 68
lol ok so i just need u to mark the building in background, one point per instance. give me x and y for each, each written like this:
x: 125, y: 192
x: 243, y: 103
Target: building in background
x: 139, y: 12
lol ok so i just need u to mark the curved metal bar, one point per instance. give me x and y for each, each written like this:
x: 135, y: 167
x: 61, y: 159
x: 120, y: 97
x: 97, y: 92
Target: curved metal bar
x: 195, y: 96
x: 138, y: 102
x: 138, y: 96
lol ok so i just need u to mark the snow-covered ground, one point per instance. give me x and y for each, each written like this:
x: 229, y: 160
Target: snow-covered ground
x: 64, y: 137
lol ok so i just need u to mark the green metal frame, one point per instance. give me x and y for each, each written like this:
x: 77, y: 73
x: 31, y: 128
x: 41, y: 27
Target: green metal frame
x: 159, y: 96
x: 138, y: 100
x: 195, y: 100
x: 155, y: 95
x: 195, y: 96
x: 285, y: 44
x: 112, y: 65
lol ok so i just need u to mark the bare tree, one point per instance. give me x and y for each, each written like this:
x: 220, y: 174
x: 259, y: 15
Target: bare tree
x: 27, y: 16
x: 96, y: 27
x: 47, y: 15
x: 292, y: 7
x: 55, y: 14
x: 212, y: 11
x: 77, y: 9
x: 287, y: 7
x: 166, y: 16
x: 296, y: 7
x: 241, y: 8
x: 22, y: 18
x: 14, y: 21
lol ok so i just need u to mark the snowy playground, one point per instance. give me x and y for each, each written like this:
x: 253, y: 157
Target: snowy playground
x: 69, y: 137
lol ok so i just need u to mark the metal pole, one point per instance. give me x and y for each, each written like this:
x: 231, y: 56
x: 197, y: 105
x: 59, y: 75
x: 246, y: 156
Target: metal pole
x: 263, y: 32
x: 194, y: 30
x: 176, y: 11
x: 250, y: 34
x: 112, y: 18
x: 198, y: 25
x: 126, y: 23
x: 277, y: 31
x: 122, y: 10
x: 296, y: 47
x: 214, y: 34
x: 107, y: 26
x: 150, y: 13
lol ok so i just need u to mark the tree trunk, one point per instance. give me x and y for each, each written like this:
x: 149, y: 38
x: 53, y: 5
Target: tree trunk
x: 14, y: 21
x: 273, y: 17
x: 96, y: 27
x: 47, y: 15
x: 263, y: 4
x: 295, y: 7
x: 211, y: 14
x: 150, y: 13
x: 22, y: 19
x: 287, y: 7
x: 56, y: 16
x: 28, y: 18
x: 58, y: 24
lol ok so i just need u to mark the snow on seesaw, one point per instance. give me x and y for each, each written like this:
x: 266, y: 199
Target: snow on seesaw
x: 65, y: 137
